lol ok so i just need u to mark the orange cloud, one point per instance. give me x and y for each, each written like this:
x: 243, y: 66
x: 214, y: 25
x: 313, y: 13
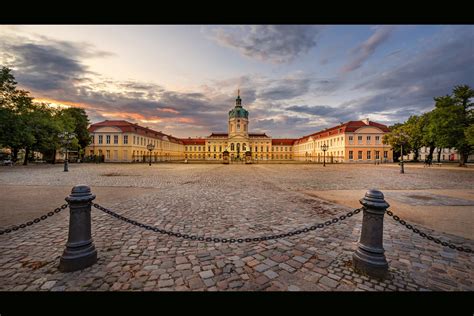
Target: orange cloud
x: 168, y: 110
x: 62, y: 104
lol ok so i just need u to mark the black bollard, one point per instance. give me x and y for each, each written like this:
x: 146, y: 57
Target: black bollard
x: 80, y: 251
x: 369, y: 257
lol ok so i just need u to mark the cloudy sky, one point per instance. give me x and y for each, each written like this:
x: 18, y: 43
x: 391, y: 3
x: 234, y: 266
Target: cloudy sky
x: 294, y: 79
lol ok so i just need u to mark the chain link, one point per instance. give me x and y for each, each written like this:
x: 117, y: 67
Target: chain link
x: 427, y: 236
x: 227, y: 240
x: 35, y: 221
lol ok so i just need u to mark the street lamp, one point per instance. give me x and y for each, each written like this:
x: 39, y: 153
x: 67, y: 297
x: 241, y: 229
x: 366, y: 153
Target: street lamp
x: 150, y: 147
x: 66, y: 139
x: 402, y: 169
x: 324, y: 147
x: 402, y: 137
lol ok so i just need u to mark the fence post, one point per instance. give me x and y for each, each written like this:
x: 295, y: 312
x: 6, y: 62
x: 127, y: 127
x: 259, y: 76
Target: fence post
x: 80, y: 251
x: 369, y: 257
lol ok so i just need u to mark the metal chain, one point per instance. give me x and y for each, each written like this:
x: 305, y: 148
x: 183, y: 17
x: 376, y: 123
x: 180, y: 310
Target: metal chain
x: 427, y: 236
x: 35, y: 221
x: 227, y: 240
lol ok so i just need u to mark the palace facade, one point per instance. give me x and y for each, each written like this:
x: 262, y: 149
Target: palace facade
x: 122, y: 141
x: 354, y: 141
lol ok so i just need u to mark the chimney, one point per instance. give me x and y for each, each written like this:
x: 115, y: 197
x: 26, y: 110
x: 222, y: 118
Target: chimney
x: 366, y: 121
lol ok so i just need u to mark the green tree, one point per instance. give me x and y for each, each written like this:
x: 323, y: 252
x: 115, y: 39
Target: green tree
x: 32, y: 126
x: 80, y: 122
x: 469, y: 132
x: 16, y: 107
x: 396, y: 138
x: 450, y: 119
x: 413, y: 128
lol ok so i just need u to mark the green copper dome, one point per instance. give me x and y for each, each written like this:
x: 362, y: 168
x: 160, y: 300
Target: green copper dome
x: 238, y: 110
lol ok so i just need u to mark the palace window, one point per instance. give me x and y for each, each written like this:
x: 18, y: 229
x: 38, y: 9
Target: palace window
x: 107, y: 154
x: 377, y: 154
x: 125, y: 139
x: 194, y: 148
x: 101, y: 138
x: 115, y: 139
x: 256, y: 148
x: 359, y: 155
x: 261, y: 148
x: 232, y: 146
x: 385, y: 154
x: 267, y: 151
x: 220, y: 148
x: 107, y: 139
x: 368, y: 140
x: 377, y: 140
x: 244, y: 146
x: 368, y: 155
x: 359, y: 140
x: 209, y: 148
x: 134, y: 141
x: 214, y: 156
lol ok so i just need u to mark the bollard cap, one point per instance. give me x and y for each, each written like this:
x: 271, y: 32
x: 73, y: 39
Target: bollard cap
x: 374, y: 199
x: 80, y: 193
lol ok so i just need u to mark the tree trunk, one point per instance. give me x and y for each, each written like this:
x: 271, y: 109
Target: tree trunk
x: 463, y: 159
x: 27, y: 152
x: 439, y: 155
x: 53, y: 161
x: 15, y: 154
x: 430, y: 155
x: 415, y: 154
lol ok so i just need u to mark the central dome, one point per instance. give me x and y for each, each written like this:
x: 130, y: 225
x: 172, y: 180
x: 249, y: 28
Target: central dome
x: 238, y: 112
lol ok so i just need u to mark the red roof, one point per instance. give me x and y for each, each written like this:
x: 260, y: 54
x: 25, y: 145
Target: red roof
x: 348, y: 127
x: 126, y: 126
x: 283, y: 141
x: 193, y: 141
x: 257, y: 135
x: 219, y: 135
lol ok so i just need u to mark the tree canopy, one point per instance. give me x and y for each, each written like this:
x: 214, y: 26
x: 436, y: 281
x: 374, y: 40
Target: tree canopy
x: 448, y: 125
x: 34, y: 126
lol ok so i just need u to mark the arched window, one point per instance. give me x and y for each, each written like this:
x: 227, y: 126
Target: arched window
x: 232, y: 146
x: 244, y: 147
x: 238, y: 146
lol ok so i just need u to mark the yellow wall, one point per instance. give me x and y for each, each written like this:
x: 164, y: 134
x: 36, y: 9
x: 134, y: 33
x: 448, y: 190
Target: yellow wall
x: 120, y: 150
x: 339, y: 146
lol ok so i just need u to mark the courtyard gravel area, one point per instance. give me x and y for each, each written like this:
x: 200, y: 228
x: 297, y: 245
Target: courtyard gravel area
x: 229, y: 201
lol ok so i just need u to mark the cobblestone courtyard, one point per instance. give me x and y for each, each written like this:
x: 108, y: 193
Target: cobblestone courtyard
x: 226, y: 201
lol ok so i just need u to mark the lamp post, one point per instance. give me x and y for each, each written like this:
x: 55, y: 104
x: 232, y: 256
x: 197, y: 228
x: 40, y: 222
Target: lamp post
x: 402, y: 169
x: 324, y: 147
x: 150, y: 147
x: 402, y: 138
x: 66, y: 138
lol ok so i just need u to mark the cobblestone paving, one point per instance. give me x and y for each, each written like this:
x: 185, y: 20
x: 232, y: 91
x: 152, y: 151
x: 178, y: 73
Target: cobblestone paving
x: 238, y: 201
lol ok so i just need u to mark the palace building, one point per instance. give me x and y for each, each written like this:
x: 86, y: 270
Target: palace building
x: 354, y: 141
x: 122, y: 141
